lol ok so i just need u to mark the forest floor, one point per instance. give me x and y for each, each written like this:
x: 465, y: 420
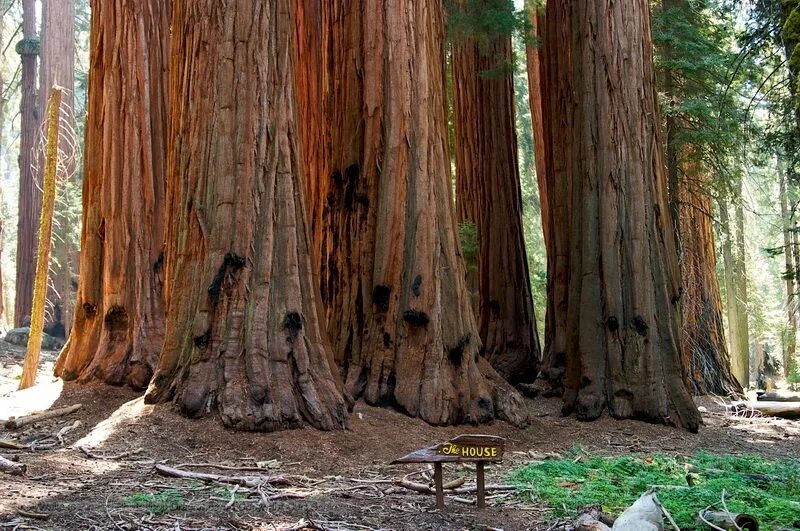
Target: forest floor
x: 337, y: 480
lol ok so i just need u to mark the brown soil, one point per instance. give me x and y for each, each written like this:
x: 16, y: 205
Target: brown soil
x: 80, y: 492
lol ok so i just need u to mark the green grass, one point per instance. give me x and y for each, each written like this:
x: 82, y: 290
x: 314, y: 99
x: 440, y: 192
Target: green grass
x: 570, y: 484
x: 158, y: 503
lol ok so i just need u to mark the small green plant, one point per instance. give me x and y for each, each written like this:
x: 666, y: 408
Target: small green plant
x: 767, y: 489
x: 157, y: 503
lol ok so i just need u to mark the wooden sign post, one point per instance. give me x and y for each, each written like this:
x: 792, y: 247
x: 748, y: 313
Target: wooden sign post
x: 479, y: 449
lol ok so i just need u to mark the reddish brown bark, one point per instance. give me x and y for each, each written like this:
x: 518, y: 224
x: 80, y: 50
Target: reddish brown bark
x: 119, y: 325
x: 30, y: 197
x: 398, y: 308
x: 244, y: 332
x: 616, y: 260
x: 312, y: 82
x: 58, y: 68
x: 488, y: 196
x: 703, y: 347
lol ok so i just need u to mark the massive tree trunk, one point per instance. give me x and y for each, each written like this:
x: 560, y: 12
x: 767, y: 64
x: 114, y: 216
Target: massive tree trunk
x: 790, y: 335
x: 705, y: 354
x: 488, y: 196
x: 615, y: 246
x: 30, y: 196
x: 58, y: 68
x: 118, y: 329
x: 398, y: 307
x: 312, y: 89
x: 244, y: 331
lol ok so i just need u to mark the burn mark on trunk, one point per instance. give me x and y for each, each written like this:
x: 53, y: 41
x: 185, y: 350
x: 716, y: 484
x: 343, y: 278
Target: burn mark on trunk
x: 456, y: 353
x: 640, y: 325
x: 380, y: 297
x: 232, y: 263
x: 415, y: 286
x: 158, y: 266
x: 613, y: 324
x: 293, y: 323
x: 495, y: 307
x: 387, y: 340
x: 201, y: 342
x: 416, y: 318
x: 116, y: 319
x: 89, y: 309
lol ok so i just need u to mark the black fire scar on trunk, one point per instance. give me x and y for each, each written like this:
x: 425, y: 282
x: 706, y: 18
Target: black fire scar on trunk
x: 380, y: 297
x: 456, y: 354
x: 415, y: 286
x: 416, y: 318
x: 232, y: 262
x: 293, y: 323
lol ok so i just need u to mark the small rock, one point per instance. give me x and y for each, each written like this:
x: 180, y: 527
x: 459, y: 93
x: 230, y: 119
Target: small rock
x: 19, y: 336
x: 702, y: 409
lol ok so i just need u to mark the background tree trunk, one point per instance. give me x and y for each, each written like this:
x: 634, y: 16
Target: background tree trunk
x: 398, y: 307
x: 732, y: 293
x: 119, y: 326
x: 30, y: 197
x: 742, y: 365
x: 488, y: 195
x: 244, y: 331
x: 58, y: 68
x: 705, y: 354
x: 611, y: 207
x: 312, y: 89
x: 790, y: 337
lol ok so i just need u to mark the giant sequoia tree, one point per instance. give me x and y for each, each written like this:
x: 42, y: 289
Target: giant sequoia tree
x: 244, y: 330
x: 30, y: 196
x: 488, y: 197
x: 119, y: 321
x: 393, y: 278
x: 617, y: 262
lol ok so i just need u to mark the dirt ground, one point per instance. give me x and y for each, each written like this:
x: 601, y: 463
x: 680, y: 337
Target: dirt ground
x: 336, y: 480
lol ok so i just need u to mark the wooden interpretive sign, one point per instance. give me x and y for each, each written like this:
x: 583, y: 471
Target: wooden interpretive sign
x: 464, y: 448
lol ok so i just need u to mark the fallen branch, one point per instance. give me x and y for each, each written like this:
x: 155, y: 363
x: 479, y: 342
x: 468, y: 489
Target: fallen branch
x: 450, y: 488
x: 109, y: 457
x: 35, y: 516
x: 244, y: 481
x: 12, y: 445
x: 221, y: 467
x: 12, y: 467
x: 66, y: 429
x: 16, y: 423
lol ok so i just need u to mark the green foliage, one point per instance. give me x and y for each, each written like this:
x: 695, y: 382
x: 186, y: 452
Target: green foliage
x: 767, y: 489
x: 468, y: 237
x: 158, y: 503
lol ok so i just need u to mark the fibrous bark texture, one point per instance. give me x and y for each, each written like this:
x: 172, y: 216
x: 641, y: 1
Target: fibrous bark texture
x: 790, y: 335
x: 393, y: 278
x: 488, y: 196
x: 244, y: 332
x: 119, y: 324
x: 58, y: 68
x: 705, y: 354
x: 30, y: 196
x: 617, y: 282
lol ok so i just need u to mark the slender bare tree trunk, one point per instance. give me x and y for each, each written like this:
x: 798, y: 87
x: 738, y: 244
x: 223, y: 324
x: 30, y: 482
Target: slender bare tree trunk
x: 119, y: 326
x: 488, y: 195
x: 790, y: 337
x: 732, y: 291
x: 30, y: 197
x: 616, y: 262
x: 393, y: 279
x: 244, y: 332
x: 740, y: 270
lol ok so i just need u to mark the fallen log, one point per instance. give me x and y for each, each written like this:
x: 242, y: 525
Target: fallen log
x: 244, y: 481
x: 12, y: 445
x: 16, y: 423
x: 779, y: 397
x: 449, y: 487
x: 12, y: 467
x: 786, y: 410
x: 730, y: 522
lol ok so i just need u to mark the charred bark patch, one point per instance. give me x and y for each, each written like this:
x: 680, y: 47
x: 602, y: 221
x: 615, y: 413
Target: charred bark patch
x: 201, y: 342
x: 416, y: 318
x: 89, y: 310
x: 362, y: 200
x: 158, y: 266
x: 613, y: 324
x: 232, y: 263
x: 456, y: 353
x: 585, y: 382
x: 640, y: 325
x: 494, y: 306
x: 293, y: 323
x: 380, y: 297
x: 387, y: 340
x: 116, y: 319
x: 416, y: 285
